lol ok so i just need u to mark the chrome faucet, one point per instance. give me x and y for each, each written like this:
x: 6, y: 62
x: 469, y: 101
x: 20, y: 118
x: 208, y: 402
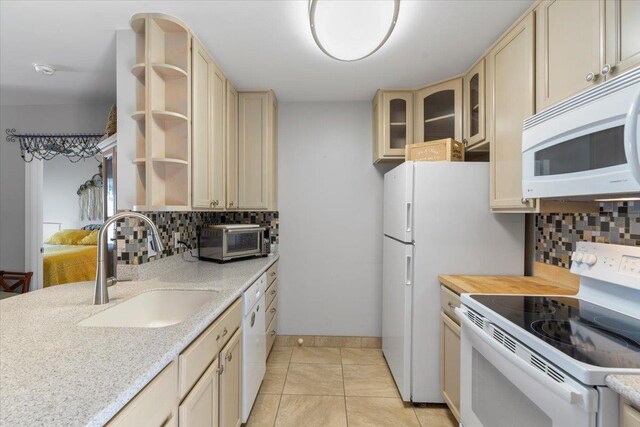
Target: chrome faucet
x: 101, y: 294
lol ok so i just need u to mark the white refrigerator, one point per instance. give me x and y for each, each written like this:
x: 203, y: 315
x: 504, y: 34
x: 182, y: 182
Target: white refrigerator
x: 437, y: 220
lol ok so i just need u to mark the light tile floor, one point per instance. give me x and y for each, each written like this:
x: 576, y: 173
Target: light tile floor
x: 326, y: 387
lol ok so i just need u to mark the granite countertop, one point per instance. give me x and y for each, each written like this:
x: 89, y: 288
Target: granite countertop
x: 56, y: 373
x: 628, y: 386
x: 504, y: 285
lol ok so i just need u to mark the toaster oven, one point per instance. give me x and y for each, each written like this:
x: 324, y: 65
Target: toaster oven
x: 225, y: 242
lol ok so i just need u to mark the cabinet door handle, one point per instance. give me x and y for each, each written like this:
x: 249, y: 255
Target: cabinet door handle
x: 220, y: 369
x: 606, y: 69
x: 229, y: 357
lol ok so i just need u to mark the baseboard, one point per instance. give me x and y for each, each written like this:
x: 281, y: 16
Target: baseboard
x: 327, y: 341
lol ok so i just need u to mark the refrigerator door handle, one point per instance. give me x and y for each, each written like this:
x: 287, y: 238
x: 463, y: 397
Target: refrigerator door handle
x: 408, y: 272
x: 408, y: 216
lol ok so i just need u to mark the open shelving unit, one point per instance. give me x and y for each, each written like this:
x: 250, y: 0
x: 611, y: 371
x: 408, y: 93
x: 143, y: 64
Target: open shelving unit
x: 163, y: 111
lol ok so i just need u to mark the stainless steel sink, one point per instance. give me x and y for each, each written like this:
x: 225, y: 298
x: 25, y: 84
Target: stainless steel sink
x: 153, y: 309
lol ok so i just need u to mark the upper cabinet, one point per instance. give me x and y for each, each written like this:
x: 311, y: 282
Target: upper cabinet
x: 257, y: 150
x: 438, y: 111
x: 393, y: 124
x: 474, y: 108
x: 623, y: 36
x: 583, y: 43
x: 232, y: 146
x: 510, y: 81
x: 163, y: 110
x: 570, y: 48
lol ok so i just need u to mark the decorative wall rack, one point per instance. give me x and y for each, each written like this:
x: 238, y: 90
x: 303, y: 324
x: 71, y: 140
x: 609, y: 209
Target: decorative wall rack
x: 47, y: 146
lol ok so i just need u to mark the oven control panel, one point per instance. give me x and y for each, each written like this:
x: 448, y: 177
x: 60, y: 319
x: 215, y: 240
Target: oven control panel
x: 611, y: 263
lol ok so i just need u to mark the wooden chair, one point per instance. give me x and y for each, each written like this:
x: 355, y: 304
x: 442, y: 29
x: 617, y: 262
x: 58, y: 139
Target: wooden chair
x: 11, y: 280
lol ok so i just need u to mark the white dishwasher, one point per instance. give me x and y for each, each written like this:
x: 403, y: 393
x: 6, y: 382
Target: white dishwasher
x: 254, y: 343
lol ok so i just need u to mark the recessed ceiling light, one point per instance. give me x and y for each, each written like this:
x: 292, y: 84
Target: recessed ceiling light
x: 350, y: 30
x: 47, y: 70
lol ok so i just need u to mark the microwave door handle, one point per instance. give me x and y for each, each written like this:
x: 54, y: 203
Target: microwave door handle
x: 244, y: 230
x: 631, y: 141
x: 562, y: 390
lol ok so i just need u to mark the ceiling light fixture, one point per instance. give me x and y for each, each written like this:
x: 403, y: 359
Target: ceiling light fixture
x: 350, y: 30
x: 47, y: 70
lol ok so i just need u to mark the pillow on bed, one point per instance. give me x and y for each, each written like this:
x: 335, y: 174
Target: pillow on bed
x: 68, y: 237
x: 90, y: 239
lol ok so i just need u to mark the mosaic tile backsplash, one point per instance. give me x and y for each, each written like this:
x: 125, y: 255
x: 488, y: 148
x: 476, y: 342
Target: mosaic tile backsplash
x: 132, y: 234
x: 557, y: 234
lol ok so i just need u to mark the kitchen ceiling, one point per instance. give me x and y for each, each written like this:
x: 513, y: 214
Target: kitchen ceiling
x: 259, y: 44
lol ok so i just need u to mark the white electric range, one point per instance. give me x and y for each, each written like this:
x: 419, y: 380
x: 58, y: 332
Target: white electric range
x: 534, y: 361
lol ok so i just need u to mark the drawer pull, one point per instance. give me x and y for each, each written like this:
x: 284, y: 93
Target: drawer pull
x: 273, y: 310
x: 224, y: 332
x: 273, y: 291
x: 451, y: 307
x: 229, y: 357
x: 273, y: 332
x: 273, y: 273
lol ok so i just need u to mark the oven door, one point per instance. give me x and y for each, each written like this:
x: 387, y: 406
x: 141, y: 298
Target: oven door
x: 499, y: 388
x: 242, y: 242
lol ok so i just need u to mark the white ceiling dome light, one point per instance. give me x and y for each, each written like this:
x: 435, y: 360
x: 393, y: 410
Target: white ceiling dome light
x: 350, y: 30
x: 47, y: 70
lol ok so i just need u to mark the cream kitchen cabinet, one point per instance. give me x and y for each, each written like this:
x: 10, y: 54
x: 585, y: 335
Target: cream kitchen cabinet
x: 232, y: 147
x: 231, y: 382
x: 257, y: 150
x: 474, y: 132
x: 201, y: 407
x: 622, y: 35
x: 155, y: 405
x: 438, y: 111
x: 208, y: 131
x: 570, y: 39
x: 511, y: 97
x: 450, y: 351
x: 393, y: 124
x: 629, y: 416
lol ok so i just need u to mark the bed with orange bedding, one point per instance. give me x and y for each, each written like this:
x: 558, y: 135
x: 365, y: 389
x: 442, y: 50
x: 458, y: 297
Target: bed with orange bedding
x: 69, y: 263
x: 70, y: 256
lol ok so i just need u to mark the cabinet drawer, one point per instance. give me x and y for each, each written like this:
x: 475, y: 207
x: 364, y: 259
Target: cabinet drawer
x: 271, y: 334
x: 154, y: 405
x: 272, y: 273
x: 199, y: 355
x: 272, y: 292
x: 449, y: 301
x: 271, y: 312
x: 629, y: 416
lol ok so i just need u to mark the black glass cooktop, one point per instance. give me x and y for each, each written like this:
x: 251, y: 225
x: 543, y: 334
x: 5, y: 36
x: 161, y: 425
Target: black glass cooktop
x: 587, y: 332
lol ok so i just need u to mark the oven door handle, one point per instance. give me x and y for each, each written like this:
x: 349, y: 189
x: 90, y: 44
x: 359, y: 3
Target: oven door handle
x: 562, y: 390
x: 631, y: 142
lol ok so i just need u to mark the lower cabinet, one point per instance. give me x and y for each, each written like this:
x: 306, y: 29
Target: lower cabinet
x: 202, y: 387
x: 231, y: 382
x: 629, y: 416
x: 450, y: 351
x: 200, y: 407
x: 272, y: 306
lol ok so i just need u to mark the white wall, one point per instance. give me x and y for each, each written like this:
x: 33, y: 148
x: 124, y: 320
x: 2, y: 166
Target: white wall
x: 32, y: 118
x: 61, y: 181
x: 330, y: 203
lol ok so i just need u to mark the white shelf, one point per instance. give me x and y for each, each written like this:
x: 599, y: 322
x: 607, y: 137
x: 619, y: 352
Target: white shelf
x: 168, y: 70
x: 169, y: 160
x: 435, y: 119
x: 138, y: 70
x: 138, y: 115
x: 171, y: 115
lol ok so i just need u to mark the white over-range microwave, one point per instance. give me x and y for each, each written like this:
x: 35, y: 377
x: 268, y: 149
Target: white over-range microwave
x: 586, y: 147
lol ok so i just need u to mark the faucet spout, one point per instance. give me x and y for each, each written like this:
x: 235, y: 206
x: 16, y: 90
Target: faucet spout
x: 101, y: 293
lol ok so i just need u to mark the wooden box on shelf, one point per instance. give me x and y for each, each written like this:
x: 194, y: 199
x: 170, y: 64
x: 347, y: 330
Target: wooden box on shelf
x: 448, y: 150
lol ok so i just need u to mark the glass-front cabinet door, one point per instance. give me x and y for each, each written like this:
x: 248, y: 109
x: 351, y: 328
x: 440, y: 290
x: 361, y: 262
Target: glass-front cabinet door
x: 393, y: 124
x: 439, y: 111
x: 474, y: 108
